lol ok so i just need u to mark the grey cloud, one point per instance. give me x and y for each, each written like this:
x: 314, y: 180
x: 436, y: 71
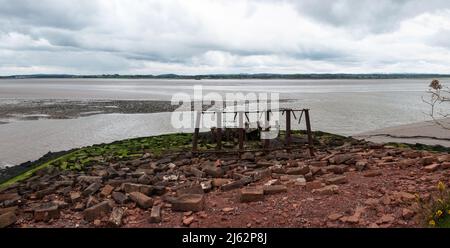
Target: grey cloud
x: 113, y: 36
x: 49, y: 13
x: 367, y: 15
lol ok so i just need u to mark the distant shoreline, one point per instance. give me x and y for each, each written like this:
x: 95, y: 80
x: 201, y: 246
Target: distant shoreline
x: 236, y: 76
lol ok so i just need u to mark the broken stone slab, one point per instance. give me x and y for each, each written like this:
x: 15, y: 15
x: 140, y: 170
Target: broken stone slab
x: 405, y: 163
x: 155, y: 214
x: 172, y: 177
x: 252, y: 194
x: 191, y: 189
x: 12, y: 202
x: 8, y: 196
x: 297, y: 179
x: 97, y: 211
x: 274, y: 189
x: 89, y: 179
x: 259, y: 174
x: 313, y: 185
x: 428, y: 160
x: 355, y: 218
x: 63, y: 183
x: 46, y: 212
x: 120, y: 182
x: 327, y: 190
x: 144, y: 171
x: 64, y: 191
x: 412, y: 154
x: 115, y: 219
x: 119, y: 197
x: 301, y: 170
x: 164, y: 161
x: 196, y: 172
x: 193, y: 202
x: 91, y: 189
x: 79, y: 206
x: 264, y: 164
x: 317, y: 171
x: 158, y: 190
x: 337, y: 180
x: 404, y: 196
x: 7, y: 219
x: 373, y: 173
x: 41, y: 193
x: 182, y: 162
x: 318, y: 163
x: 75, y: 196
x: 187, y: 221
x: 386, y: 218
x: 278, y: 169
x: 144, y: 179
x: 206, y: 186
x: 341, y: 158
x: 236, y: 184
x: 444, y: 158
x: 112, y: 173
x: 213, y: 171
x: 143, y: 201
x: 280, y: 155
x: 61, y: 204
x: 91, y: 201
x: 134, y: 187
x: 6, y: 210
x: 407, y: 213
x: 335, y: 216
x: 101, y: 173
x: 445, y: 165
x: 106, y: 191
x: 387, y: 164
x: 337, y: 169
x: 361, y: 165
x: 248, y: 156
x: 431, y: 167
x: 218, y: 182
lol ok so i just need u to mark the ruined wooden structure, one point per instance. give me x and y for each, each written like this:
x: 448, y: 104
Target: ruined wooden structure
x: 287, y: 112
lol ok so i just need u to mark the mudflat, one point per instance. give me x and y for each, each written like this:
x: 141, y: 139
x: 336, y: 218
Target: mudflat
x: 67, y: 109
x: 427, y: 132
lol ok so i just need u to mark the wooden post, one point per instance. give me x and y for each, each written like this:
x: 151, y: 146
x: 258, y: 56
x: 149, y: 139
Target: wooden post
x: 241, y: 131
x: 267, y: 141
x: 288, y: 127
x: 219, y: 130
x: 196, y: 131
x: 309, y: 132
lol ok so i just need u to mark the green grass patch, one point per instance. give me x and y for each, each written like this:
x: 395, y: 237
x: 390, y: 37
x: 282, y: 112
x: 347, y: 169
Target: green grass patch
x: 421, y: 147
x: 122, y: 150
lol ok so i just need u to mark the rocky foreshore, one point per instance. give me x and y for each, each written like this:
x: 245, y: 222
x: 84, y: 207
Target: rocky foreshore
x: 355, y: 184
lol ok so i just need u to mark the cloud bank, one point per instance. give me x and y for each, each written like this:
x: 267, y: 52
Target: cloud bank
x: 224, y: 36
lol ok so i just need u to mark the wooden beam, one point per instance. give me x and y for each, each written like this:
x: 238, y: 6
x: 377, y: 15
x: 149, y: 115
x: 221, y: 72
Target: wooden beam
x: 309, y: 132
x: 241, y: 131
x: 196, y: 131
x: 288, y: 127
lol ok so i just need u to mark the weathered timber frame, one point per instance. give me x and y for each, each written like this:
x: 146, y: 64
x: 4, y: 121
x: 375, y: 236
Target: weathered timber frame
x: 266, y: 147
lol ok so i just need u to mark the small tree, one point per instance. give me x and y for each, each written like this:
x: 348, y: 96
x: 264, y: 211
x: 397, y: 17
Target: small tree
x: 438, y: 95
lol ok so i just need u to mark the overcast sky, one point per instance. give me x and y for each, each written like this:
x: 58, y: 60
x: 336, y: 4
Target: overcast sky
x: 224, y: 36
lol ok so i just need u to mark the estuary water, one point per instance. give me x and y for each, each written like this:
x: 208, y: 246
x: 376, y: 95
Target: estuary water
x: 340, y: 106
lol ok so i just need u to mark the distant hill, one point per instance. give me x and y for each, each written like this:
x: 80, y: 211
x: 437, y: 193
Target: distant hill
x: 237, y: 76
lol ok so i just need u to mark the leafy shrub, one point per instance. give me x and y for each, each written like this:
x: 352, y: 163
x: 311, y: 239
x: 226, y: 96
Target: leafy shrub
x: 435, y: 212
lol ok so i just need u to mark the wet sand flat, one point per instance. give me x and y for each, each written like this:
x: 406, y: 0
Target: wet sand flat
x: 428, y: 133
